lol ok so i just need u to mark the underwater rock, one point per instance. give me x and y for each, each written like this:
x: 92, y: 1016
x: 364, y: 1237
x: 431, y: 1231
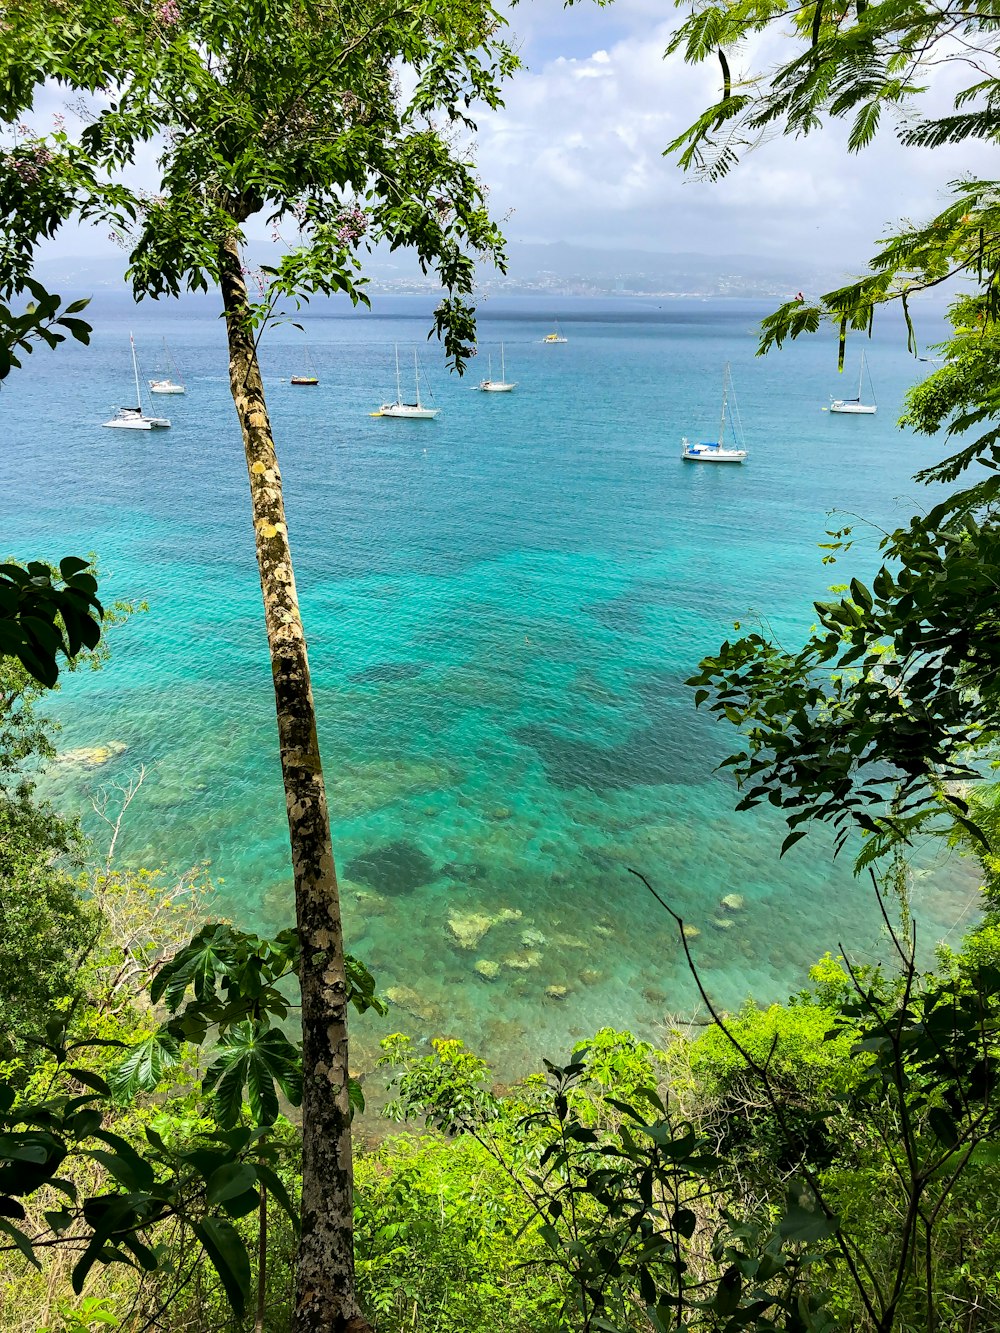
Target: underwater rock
x: 523, y: 962
x: 591, y: 977
x: 533, y: 939
x: 734, y: 902
x: 487, y: 969
x: 367, y: 901
x: 605, y: 932
x: 414, y: 1003
x: 501, y: 812
x: 90, y: 756
x: 557, y: 992
x: 569, y: 942
x: 722, y: 922
x: 691, y: 932
x: 468, y: 928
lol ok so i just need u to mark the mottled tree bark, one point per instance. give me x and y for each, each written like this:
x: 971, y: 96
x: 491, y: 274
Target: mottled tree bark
x: 325, y: 1295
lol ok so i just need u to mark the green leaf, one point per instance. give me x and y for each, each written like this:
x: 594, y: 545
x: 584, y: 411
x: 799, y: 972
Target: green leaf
x: 229, y: 1258
x: 229, y: 1181
x: 145, y: 1066
x: 804, y: 1219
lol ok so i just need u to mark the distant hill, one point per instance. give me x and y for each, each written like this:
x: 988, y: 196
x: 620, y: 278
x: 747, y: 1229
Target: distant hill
x: 558, y: 269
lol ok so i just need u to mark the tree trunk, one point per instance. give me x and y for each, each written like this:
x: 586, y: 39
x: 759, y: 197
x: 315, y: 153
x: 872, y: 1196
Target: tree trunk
x: 325, y: 1296
x: 258, y: 1323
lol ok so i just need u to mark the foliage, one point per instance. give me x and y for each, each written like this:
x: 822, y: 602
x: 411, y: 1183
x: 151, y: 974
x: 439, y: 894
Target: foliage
x: 442, y: 1242
x: 45, y: 926
x: 235, y: 981
x: 624, y: 1195
x: 45, y: 614
x: 40, y: 321
x: 875, y: 719
x: 807, y: 1072
x: 205, y: 1185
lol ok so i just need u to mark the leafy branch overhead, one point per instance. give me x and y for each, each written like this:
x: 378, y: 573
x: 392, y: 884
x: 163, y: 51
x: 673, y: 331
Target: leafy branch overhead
x: 47, y: 613
x: 233, y: 986
x: 310, y: 127
x: 892, y: 702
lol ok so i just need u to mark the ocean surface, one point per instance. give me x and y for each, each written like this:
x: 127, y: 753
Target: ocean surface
x: 502, y: 606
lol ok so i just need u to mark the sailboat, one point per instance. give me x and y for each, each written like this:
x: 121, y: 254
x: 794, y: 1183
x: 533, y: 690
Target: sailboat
x: 165, y: 384
x: 415, y: 410
x: 133, y: 418
x: 502, y: 385
x: 855, y: 405
x: 712, y: 452
x: 555, y: 337
x: 311, y: 378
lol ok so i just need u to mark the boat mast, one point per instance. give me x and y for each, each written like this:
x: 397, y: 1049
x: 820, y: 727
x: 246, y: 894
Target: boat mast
x: 722, y: 419
x: 861, y: 375
x: 416, y: 375
x: 503, y: 367
x: 399, y: 391
x: 135, y: 368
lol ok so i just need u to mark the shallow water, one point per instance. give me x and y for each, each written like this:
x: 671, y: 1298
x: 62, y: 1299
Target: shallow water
x: 502, y: 606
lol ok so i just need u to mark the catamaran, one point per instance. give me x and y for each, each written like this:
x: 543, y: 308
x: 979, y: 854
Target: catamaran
x: 855, y: 405
x: 165, y: 384
x: 712, y: 452
x: 555, y: 337
x: 414, y: 411
x: 133, y: 418
x: 502, y: 385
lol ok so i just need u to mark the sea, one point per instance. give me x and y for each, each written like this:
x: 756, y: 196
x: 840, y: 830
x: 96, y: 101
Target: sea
x: 502, y: 607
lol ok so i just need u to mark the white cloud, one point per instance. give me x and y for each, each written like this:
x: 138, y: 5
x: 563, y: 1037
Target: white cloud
x: 577, y: 154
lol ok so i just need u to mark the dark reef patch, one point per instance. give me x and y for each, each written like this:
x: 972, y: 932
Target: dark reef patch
x: 396, y: 868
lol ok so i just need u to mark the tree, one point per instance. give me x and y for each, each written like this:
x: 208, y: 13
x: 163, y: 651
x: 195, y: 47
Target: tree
x: 879, y: 718
x: 293, y: 110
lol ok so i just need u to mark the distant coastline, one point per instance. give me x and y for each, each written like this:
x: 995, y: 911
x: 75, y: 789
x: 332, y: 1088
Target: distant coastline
x: 540, y: 270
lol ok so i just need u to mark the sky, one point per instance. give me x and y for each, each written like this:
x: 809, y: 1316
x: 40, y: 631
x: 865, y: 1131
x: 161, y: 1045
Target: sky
x: 576, y: 155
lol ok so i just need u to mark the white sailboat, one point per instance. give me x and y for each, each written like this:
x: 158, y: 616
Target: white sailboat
x: 165, y: 384
x: 133, y: 418
x: 712, y: 452
x: 502, y: 385
x: 854, y: 405
x: 311, y: 378
x: 556, y: 337
x: 414, y: 411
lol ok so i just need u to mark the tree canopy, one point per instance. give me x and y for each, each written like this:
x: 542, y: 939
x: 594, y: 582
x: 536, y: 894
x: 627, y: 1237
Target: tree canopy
x: 890, y: 704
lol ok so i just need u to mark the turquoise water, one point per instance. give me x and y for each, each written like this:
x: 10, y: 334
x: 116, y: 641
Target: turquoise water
x: 502, y: 606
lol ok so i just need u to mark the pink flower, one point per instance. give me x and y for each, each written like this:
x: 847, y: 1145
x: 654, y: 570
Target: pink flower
x: 352, y: 224
x: 29, y: 164
x: 168, y: 13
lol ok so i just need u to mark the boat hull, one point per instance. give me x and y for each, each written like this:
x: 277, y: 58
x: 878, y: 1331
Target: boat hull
x: 303, y: 380
x: 165, y: 386
x: 853, y: 409
x: 496, y: 386
x: 710, y: 455
x: 408, y: 412
x: 138, y: 423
